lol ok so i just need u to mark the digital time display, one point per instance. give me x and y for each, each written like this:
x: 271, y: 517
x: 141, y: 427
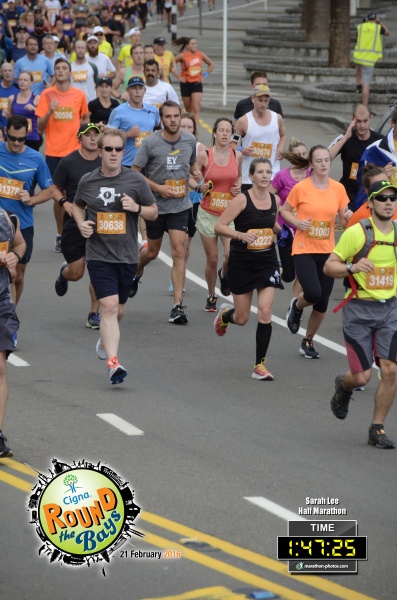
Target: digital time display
x: 321, y: 548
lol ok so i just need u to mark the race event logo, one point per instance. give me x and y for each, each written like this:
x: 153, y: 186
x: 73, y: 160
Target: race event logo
x: 82, y: 513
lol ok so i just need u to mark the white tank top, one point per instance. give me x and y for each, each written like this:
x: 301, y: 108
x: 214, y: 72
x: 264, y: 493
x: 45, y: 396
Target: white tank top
x: 265, y: 139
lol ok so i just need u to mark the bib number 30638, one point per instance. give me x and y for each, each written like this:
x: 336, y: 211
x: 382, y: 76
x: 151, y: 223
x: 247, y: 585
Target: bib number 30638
x: 111, y: 223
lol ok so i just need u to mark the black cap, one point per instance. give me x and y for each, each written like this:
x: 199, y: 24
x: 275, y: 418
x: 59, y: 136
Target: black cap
x: 159, y: 40
x: 371, y: 15
x: 135, y: 81
x: 106, y: 80
x: 86, y: 127
x: 22, y: 28
x: 39, y: 22
x: 378, y: 187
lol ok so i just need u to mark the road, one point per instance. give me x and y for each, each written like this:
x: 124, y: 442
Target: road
x: 211, y: 438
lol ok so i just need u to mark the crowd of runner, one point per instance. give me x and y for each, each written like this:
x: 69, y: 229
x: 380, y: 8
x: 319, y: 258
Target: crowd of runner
x: 97, y: 126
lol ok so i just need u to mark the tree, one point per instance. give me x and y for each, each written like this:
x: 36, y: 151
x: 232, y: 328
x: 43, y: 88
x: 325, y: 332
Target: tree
x: 317, y: 14
x: 339, y: 45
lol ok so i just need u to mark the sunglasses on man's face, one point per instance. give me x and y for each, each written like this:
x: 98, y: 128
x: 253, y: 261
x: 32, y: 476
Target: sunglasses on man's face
x: 14, y: 138
x: 380, y: 197
x: 111, y: 148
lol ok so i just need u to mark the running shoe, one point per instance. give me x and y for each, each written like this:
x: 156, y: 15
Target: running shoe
x: 177, y: 315
x: 93, y: 320
x: 260, y: 372
x: 293, y: 317
x: 360, y: 389
x: 307, y: 349
x: 117, y: 373
x: 58, y: 247
x: 4, y: 449
x: 225, y: 287
x: 171, y: 289
x: 100, y: 350
x: 219, y: 326
x: 135, y: 282
x: 340, y: 400
x: 61, y: 284
x: 378, y: 438
x: 15, y: 339
x: 211, y: 303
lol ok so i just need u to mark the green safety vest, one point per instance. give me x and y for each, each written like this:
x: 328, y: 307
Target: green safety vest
x: 368, y: 48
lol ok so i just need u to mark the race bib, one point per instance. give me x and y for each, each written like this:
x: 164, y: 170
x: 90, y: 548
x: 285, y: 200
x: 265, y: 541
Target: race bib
x: 178, y: 187
x: 118, y: 17
x: 10, y: 188
x: 3, y: 103
x: 264, y: 240
x: 12, y: 22
x: 79, y: 75
x: 37, y: 76
x: 3, y: 248
x: 111, y: 223
x: 353, y: 171
x: 262, y: 150
x: 381, y: 278
x: 141, y: 137
x: 63, y: 113
x: 393, y: 177
x: 105, y: 29
x: 319, y: 230
x: 219, y: 200
x: 194, y: 71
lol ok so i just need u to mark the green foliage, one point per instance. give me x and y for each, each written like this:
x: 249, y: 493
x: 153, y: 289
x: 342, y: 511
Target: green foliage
x: 70, y: 479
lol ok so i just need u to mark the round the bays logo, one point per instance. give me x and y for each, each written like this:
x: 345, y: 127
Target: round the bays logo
x: 82, y: 513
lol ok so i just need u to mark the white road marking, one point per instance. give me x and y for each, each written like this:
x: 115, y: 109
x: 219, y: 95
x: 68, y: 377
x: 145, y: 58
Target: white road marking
x: 17, y: 362
x: 319, y: 339
x: 120, y: 424
x: 275, y: 509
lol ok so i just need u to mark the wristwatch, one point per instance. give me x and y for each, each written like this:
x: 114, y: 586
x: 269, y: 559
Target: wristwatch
x: 349, y: 268
x: 62, y: 201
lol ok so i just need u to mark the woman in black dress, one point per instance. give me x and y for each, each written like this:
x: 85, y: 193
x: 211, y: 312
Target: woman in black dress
x: 253, y: 263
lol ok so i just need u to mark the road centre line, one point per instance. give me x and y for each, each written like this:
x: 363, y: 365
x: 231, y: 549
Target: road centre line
x: 200, y: 282
x: 120, y: 424
x: 227, y: 547
x: 274, y: 508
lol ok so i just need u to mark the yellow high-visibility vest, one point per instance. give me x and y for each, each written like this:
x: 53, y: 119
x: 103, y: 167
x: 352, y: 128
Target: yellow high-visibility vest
x: 368, y: 48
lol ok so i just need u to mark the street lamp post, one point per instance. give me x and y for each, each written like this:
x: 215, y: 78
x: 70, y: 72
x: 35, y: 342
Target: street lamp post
x: 174, y: 25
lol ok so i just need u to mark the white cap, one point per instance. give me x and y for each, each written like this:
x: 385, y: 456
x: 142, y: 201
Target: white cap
x: 92, y: 37
x: 55, y: 38
x: 132, y: 31
x: 98, y: 29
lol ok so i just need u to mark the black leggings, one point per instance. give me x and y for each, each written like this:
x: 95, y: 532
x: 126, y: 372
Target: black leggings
x: 316, y: 286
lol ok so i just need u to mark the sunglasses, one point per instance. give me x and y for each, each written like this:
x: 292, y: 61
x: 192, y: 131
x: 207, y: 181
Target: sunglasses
x: 210, y: 186
x: 111, y: 148
x: 99, y: 34
x: 381, y: 197
x: 14, y: 138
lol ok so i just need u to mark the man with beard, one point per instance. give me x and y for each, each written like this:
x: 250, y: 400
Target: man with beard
x: 103, y: 63
x: 169, y: 158
x: 366, y: 253
x: 157, y: 91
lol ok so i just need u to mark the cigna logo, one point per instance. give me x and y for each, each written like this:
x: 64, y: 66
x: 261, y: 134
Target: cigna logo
x: 87, y: 521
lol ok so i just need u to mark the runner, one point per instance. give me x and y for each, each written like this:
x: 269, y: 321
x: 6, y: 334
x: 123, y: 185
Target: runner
x: 61, y: 110
x: 168, y: 157
x: 370, y: 317
x: 192, y: 76
x: 221, y: 169
x: 12, y: 249
x: 113, y: 196
x: 24, y: 103
x: 25, y: 168
x: 66, y: 179
x: 316, y: 201
x: 262, y: 132
x: 253, y: 263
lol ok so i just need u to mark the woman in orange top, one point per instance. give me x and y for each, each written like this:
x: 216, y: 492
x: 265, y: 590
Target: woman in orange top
x: 316, y: 200
x: 192, y: 75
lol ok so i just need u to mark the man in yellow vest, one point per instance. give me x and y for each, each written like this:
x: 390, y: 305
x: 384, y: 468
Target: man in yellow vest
x: 367, y: 52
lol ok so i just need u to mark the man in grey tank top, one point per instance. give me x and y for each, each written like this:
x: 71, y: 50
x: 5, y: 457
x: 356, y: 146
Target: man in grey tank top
x: 113, y: 197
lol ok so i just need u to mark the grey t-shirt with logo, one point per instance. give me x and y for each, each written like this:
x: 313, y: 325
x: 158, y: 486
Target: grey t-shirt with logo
x: 115, y: 237
x: 162, y: 161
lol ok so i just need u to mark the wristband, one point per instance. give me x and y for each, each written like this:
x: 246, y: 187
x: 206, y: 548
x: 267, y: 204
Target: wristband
x: 17, y: 255
x: 62, y: 201
x: 198, y: 188
x: 138, y: 212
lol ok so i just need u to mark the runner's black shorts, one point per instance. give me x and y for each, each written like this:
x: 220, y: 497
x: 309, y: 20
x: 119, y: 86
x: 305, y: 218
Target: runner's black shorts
x: 187, y: 89
x: 72, y: 244
x: 179, y: 221
x: 111, y: 279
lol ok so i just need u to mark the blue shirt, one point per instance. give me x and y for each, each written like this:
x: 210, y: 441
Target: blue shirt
x: 124, y: 117
x: 28, y: 167
x: 41, y: 68
x: 6, y: 93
